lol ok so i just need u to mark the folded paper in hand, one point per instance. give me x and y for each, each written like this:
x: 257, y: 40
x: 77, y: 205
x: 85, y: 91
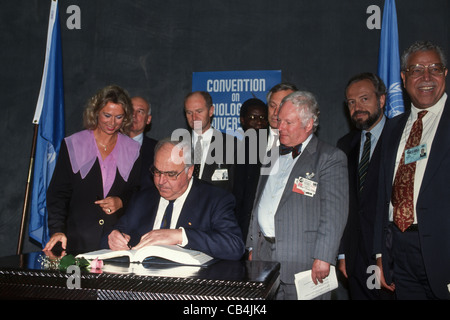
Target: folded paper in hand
x: 307, y: 290
x: 173, y: 253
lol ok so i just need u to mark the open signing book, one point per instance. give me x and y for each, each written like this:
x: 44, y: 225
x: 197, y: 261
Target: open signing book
x: 173, y: 253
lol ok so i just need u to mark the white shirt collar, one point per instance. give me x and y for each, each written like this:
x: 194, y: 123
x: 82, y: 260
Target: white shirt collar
x: 206, y: 136
x: 436, y: 109
x: 139, y: 138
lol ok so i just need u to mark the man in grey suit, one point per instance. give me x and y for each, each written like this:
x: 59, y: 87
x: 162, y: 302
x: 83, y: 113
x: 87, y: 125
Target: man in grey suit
x: 301, y: 207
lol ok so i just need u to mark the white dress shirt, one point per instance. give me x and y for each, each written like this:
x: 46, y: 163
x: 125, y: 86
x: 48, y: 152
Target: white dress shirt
x: 273, y: 191
x: 273, y: 138
x: 177, y: 207
x: 430, y: 123
x: 375, y: 136
x: 206, y: 142
x: 139, y: 138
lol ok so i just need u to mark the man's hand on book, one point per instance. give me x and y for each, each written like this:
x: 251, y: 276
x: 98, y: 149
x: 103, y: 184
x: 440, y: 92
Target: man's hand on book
x: 161, y: 236
x: 118, y: 240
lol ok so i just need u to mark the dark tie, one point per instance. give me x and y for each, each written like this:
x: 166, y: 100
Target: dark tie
x: 197, y: 156
x: 294, y: 150
x: 403, y: 188
x: 364, y: 162
x: 165, y: 223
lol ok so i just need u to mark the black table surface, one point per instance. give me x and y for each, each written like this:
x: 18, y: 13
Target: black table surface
x: 26, y: 276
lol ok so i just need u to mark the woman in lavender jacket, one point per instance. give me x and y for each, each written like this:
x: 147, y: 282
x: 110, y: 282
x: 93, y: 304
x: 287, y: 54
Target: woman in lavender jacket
x: 95, y: 175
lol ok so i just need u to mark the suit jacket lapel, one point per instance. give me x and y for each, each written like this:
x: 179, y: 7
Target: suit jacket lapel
x: 259, y: 189
x: 208, y: 169
x: 353, y: 158
x: 440, y: 146
x: 393, y: 141
x: 190, y: 205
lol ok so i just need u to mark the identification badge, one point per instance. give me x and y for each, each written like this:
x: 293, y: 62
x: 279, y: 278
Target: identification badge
x: 220, y: 175
x: 305, y: 186
x: 416, y: 153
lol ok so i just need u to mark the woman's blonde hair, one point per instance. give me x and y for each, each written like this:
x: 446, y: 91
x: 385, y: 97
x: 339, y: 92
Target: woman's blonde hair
x: 114, y: 94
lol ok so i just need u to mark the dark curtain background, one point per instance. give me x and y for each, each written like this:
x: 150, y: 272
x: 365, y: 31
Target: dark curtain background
x: 152, y: 47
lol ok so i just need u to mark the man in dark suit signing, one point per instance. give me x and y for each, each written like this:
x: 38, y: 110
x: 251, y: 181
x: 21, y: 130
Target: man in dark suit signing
x: 365, y: 96
x: 413, y: 222
x: 180, y: 210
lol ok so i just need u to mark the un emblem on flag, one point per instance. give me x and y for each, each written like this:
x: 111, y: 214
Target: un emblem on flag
x: 395, y: 100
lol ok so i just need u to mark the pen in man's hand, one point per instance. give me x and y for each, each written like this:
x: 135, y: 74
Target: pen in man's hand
x: 128, y: 244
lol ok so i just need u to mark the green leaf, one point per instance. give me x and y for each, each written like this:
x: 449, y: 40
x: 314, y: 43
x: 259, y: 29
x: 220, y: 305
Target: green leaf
x: 83, y: 263
x: 66, y: 261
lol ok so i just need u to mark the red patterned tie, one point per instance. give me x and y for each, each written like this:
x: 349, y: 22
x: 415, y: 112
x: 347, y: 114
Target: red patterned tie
x: 403, y: 189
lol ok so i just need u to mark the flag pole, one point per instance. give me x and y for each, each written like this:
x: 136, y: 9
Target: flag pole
x: 27, y: 193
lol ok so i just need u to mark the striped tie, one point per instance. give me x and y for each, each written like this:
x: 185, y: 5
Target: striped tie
x: 364, y: 162
x: 198, y: 156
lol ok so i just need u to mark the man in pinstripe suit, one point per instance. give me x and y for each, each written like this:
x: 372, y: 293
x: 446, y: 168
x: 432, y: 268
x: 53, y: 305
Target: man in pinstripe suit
x: 301, y: 207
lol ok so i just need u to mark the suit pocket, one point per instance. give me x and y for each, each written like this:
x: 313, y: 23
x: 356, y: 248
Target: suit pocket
x: 310, y: 236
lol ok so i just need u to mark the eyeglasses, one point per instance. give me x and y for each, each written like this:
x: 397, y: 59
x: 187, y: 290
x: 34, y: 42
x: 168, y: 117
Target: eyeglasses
x: 253, y: 117
x: 171, y: 175
x: 435, y: 69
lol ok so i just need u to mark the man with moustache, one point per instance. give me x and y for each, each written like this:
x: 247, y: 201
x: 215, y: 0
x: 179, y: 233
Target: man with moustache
x: 413, y: 212
x: 365, y: 95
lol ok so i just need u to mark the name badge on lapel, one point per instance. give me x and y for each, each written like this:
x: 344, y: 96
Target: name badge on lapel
x: 416, y: 153
x: 305, y: 186
x: 220, y: 175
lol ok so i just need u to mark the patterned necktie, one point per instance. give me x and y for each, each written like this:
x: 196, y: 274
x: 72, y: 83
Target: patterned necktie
x: 403, y: 188
x: 364, y: 162
x: 198, y: 156
x: 165, y: 223
x: 295, y: 150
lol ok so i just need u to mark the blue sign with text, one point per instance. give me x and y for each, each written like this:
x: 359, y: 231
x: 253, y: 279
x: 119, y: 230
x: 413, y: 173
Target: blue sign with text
x: 230, y: 89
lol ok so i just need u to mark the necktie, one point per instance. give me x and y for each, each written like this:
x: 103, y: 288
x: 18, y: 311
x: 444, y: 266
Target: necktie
x: 197, y: 156
x: 165, y: 223
x: 364, y: 162
x: 295, y: 150
x: 403, y: 188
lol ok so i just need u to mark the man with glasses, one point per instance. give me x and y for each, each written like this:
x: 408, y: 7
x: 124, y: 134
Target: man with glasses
x: 413, y: 224
x: 179, y: 210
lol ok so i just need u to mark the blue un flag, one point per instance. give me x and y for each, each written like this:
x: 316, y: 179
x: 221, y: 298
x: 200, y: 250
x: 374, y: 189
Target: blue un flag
x: 50, y: 117
x: 389, y: 60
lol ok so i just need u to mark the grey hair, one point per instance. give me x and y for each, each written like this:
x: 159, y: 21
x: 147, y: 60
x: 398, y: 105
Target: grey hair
x: 284, y: 86
x: 422, y: 46
x: 306, y: 105
x: 180, y: 144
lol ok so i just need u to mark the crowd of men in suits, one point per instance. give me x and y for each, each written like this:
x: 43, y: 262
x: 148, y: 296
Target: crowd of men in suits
x: 375, y: 199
